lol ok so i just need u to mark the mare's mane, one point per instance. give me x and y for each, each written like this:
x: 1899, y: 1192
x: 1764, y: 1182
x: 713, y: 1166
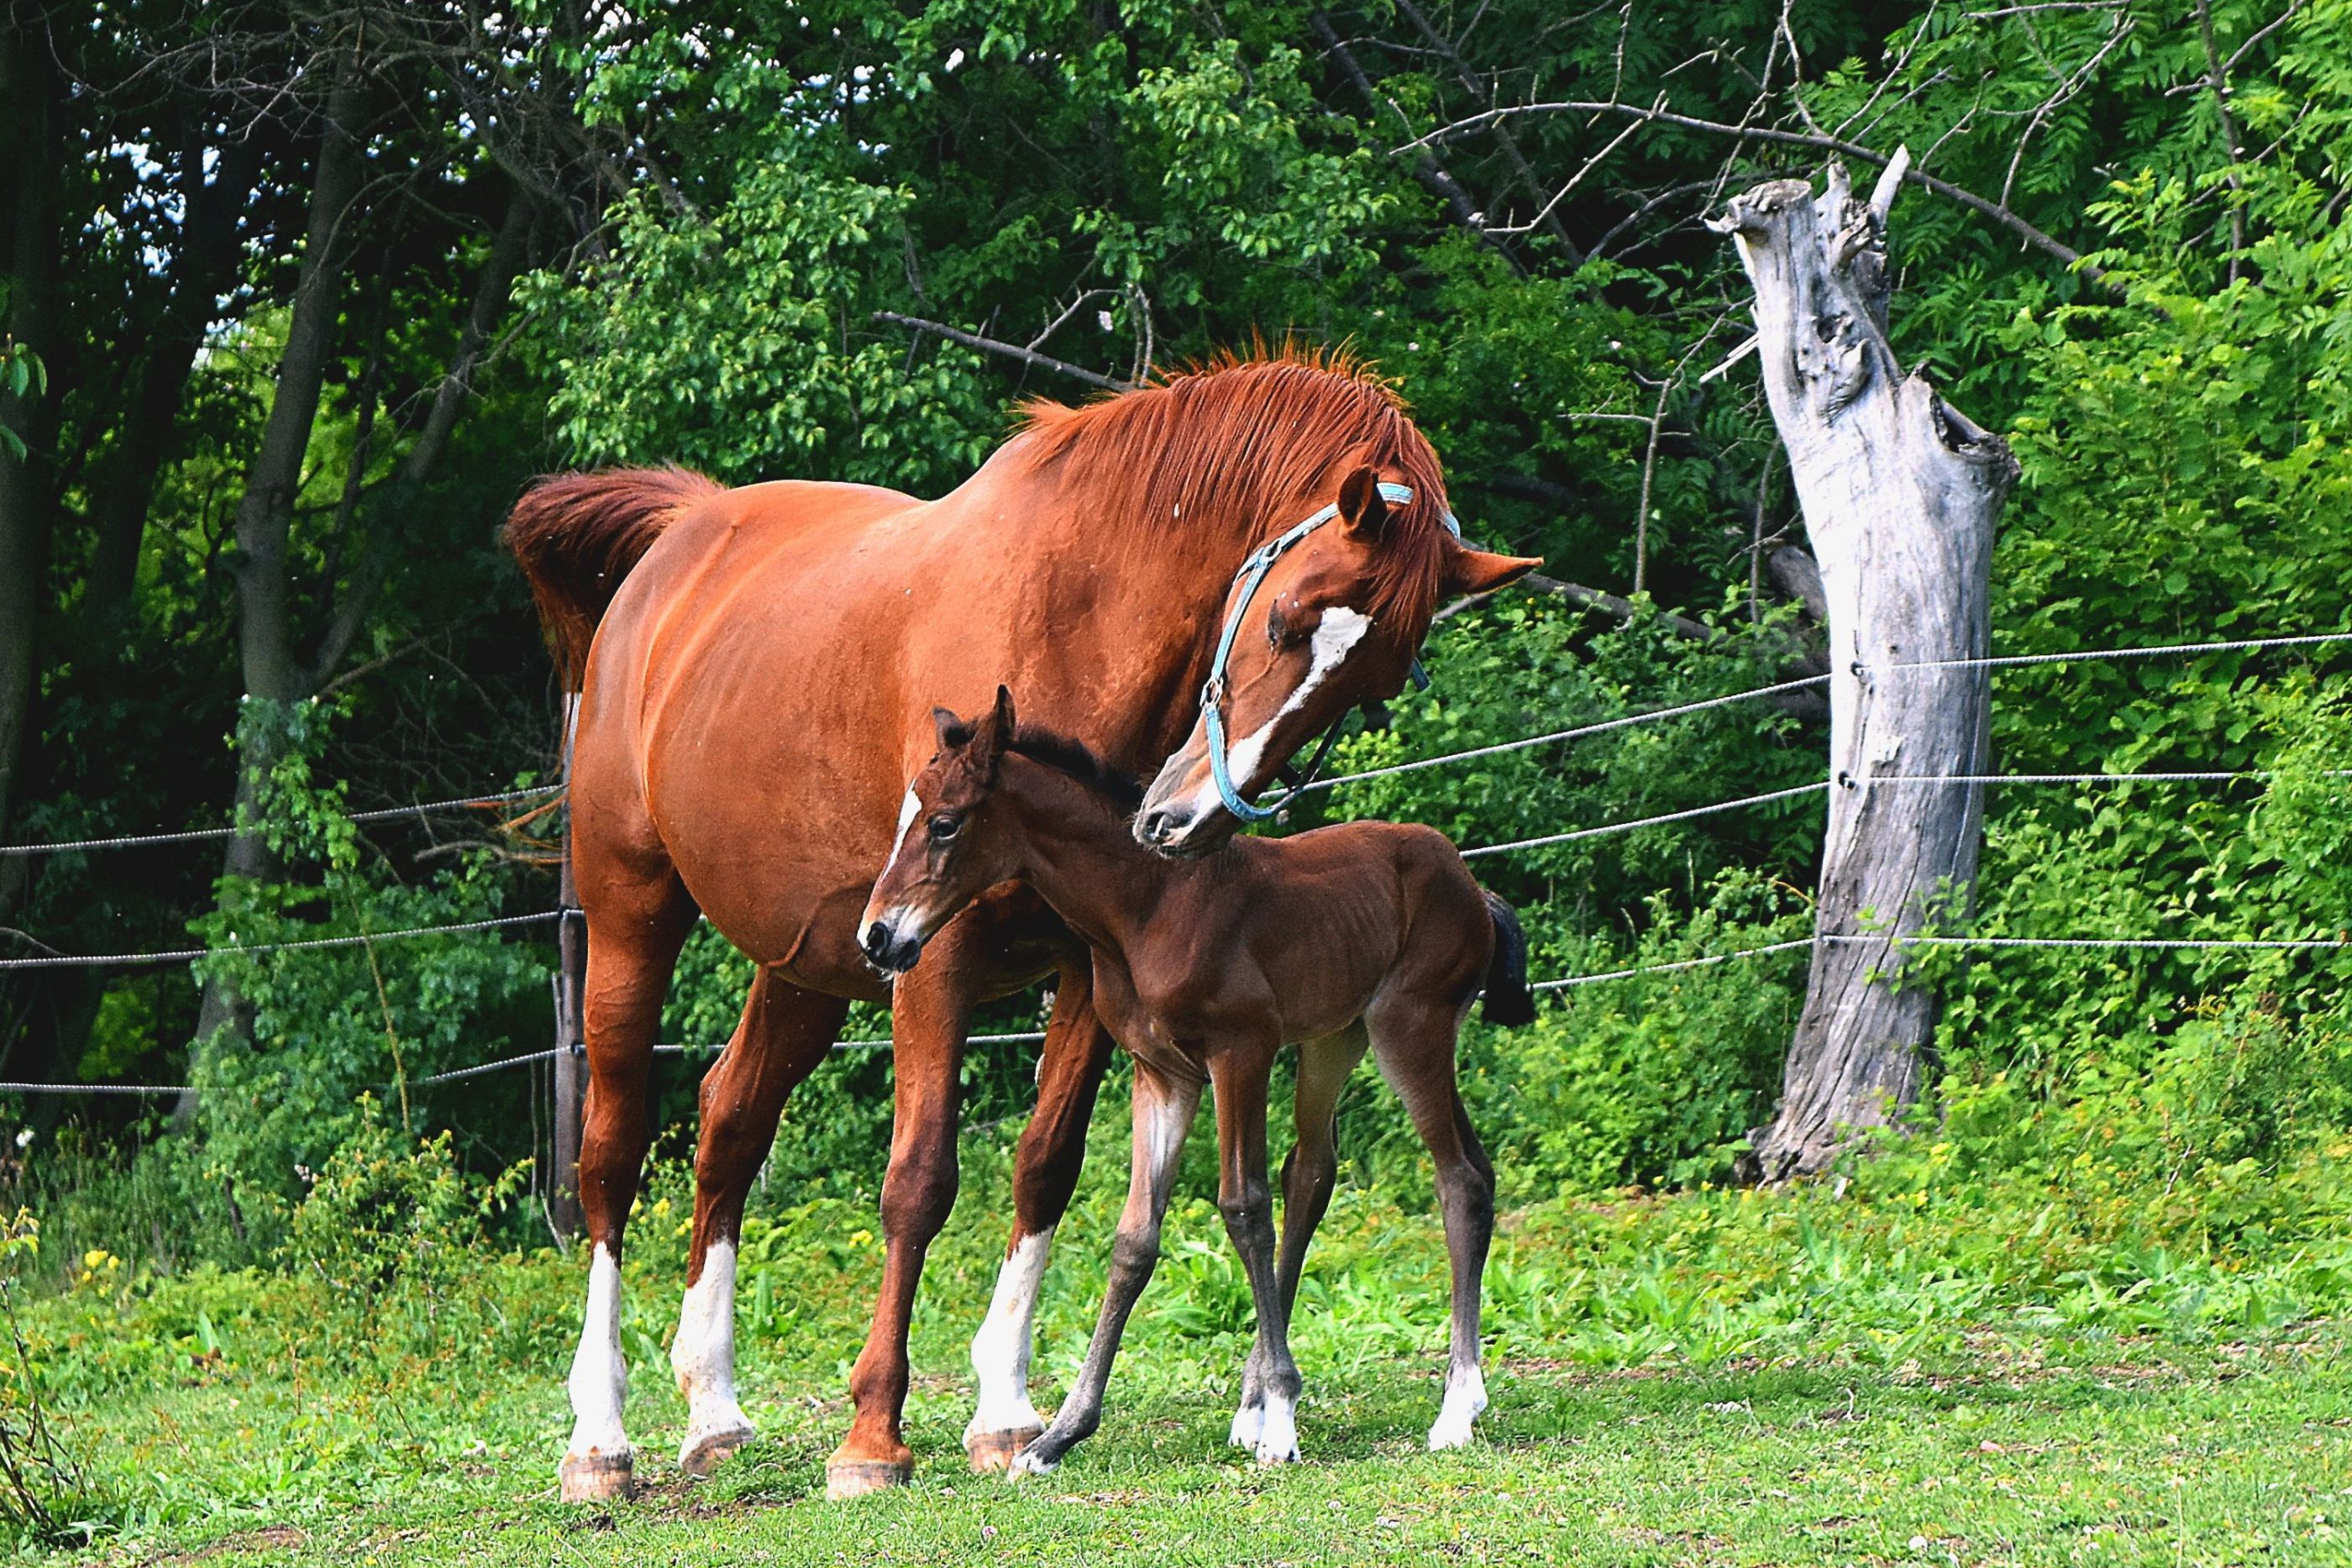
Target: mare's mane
x: 1079, y: 761
x: 1204, y: 463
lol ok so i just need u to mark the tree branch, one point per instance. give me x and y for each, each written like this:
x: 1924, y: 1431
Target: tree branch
x: 1426, y: 168
x: 2064, y: 253
x: 1007, y: 351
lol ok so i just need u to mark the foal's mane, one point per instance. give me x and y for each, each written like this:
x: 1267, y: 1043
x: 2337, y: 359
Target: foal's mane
x: 1079, y: 761
x: 1205, y: 462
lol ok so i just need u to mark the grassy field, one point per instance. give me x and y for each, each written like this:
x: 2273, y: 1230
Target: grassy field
x: 2242, y: 1454
x: 1961, y: 1375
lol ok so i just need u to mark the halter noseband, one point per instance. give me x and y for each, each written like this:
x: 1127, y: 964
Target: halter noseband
x: 1253, y: 572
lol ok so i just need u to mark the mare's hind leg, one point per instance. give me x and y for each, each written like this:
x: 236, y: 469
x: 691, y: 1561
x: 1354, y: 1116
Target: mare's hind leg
x: 1413, y: 1041
x: 635, y: 928
x: 1053, y: 1148
x: 1163, y: 1114
x: 1306, y: 1179
x: 785, y: 1034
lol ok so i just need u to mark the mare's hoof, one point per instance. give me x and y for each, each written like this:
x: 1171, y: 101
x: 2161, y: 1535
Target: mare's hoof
x: 846, y: 1479
x: 702, y: 1454
x: 994, y: 1451
x: 596, y: 1476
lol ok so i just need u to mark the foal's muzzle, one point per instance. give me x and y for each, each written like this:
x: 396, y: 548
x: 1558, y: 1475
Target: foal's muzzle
x: 886, y: 950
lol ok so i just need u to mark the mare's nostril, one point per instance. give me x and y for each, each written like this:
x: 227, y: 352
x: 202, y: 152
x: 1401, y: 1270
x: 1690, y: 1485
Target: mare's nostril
x: 1154, y: 828
x: 874, y: 942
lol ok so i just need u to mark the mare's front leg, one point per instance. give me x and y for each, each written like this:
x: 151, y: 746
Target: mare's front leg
x: 1044, y: 1173
x: 784, y: 1032
x: 1307, y: 1177
x: 1247, y: 1200
x: 1163, y: 1114
x: 635, y: 926
x: 930, y: 1008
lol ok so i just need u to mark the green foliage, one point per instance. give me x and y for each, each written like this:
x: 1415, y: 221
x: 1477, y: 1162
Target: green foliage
x: 332, y: 1024
x: 390, y: 1227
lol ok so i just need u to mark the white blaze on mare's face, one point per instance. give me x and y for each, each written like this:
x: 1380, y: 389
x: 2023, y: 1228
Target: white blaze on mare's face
x: 599, y: 1382
x: 999, y: 1351
x: 1336, y: 636
x: 703, y: 1353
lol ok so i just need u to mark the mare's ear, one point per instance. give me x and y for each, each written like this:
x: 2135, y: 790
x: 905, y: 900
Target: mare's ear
x: 1362, y: 507
x: 1003, y: 714
x: 1470, y: 573
x: 953, y: 731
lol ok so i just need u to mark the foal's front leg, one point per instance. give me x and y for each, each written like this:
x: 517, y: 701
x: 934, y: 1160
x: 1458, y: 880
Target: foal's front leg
x: 1163, y: 1114
x: 1246, y: 1199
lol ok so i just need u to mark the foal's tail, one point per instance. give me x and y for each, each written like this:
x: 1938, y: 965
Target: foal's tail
x: 576, y: 535
x: 1508, y: 1001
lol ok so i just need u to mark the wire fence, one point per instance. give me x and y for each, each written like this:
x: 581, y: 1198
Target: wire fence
x: 57, y: 960
x: 201, y: 835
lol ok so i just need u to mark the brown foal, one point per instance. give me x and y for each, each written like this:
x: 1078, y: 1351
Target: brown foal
x: 1363, y: 935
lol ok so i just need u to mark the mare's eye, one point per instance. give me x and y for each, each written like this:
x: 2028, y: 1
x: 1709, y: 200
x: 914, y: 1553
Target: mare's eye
x: 943, y: 828
x: 1277, y: 627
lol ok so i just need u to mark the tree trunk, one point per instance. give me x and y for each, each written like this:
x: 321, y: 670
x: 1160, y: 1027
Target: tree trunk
x: 1900, y: 494
x: 204, y: 263
x: 29, y: 238
x: 272, y: 671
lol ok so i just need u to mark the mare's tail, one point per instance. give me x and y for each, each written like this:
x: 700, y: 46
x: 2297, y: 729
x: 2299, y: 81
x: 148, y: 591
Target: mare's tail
x: 576, y: 535
x: 1508, y: 1002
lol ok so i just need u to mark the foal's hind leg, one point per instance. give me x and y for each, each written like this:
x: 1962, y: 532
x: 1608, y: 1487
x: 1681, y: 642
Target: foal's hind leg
x: 1053, y: 1146
x: 785, y: 1034
x: 635, y: 925
x: 1413, y: 1041
x: 1306, y: 1179
x: 1247, y: 1200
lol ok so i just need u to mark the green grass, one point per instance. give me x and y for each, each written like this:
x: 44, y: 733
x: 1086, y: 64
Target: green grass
x: 1937, y: 1367
x: 2242, y: 1455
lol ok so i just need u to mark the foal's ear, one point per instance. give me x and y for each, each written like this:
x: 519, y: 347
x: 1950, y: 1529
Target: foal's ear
x: 993, y: 734
x: 1470, y: 573
x: 953, y: 731
x: 1362, y: 506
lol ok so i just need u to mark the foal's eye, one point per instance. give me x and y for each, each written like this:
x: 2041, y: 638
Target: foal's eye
x: 943, y: 828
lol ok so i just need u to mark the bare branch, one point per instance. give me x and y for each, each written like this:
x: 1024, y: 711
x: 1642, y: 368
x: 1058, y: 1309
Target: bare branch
x: 1007, y: 351
x: 2059, y: 251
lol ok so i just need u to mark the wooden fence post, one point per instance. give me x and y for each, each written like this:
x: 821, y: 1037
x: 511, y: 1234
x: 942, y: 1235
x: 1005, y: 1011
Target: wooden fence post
x: 1900, y: 493
x: 571, y: 1064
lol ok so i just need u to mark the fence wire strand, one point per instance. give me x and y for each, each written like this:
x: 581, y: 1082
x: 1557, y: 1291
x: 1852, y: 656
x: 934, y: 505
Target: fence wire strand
x: 183, y: 955
x: 198, y: 835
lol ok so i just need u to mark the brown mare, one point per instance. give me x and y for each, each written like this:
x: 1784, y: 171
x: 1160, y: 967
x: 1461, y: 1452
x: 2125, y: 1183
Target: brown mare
x: 758, y: 690
x: 1365, y: 934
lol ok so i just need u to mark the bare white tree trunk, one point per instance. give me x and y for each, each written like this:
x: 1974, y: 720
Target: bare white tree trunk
x: 1900, y: 493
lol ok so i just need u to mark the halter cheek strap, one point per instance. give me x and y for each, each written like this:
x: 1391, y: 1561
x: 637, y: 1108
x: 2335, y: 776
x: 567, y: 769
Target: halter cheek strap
x: 1252, y: 573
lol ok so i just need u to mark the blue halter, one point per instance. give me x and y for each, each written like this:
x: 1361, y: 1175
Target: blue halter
x: 1253, y: 572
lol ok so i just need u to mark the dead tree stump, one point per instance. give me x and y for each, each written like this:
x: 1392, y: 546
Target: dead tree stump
x: 1899, y: 493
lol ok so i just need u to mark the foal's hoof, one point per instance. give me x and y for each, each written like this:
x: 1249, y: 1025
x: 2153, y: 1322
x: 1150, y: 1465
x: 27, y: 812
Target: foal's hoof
x: 1029, y: 1463
x: 846, y: 1479
x: 597, y: 1476
x: 994, y: 1451
x: 704, y: 1451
